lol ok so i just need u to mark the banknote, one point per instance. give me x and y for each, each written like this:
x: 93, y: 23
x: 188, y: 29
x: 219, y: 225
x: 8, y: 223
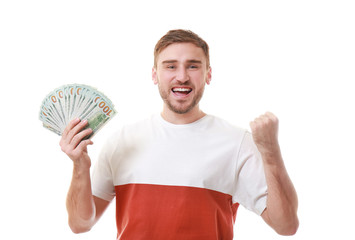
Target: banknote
x: 71, y: 101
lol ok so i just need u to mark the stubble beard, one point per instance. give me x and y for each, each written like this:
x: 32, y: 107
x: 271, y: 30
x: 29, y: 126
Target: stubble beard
x: 180, y: 108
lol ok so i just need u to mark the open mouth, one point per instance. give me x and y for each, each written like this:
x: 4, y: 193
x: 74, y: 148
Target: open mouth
x: 181, y: 91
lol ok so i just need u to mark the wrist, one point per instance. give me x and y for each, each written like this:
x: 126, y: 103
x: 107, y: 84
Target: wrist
x: 83, y: 163
x: 271, y: 156
x: 80, y: 169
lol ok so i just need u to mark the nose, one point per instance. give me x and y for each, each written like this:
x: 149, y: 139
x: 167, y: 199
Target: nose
x: 182, y: 75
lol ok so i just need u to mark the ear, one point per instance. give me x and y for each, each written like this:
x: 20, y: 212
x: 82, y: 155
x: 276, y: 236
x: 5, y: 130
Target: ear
x: 209, y: 76
x: 154, y: 76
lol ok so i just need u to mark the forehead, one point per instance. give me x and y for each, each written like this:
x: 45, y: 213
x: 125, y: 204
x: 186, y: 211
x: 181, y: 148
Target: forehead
x: 181, y: 52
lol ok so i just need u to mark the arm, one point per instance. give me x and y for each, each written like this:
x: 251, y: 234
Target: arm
x: 282, y: 202
x: 83, y: 208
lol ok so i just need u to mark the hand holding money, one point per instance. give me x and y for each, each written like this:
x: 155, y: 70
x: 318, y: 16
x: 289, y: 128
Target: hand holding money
x: 73, y: 145
x: 73, y: 101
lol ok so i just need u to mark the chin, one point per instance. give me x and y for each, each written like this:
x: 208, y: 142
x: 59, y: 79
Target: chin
x: 179, y: 109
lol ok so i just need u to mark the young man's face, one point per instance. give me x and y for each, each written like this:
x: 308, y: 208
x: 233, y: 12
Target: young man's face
x: 181, y: 74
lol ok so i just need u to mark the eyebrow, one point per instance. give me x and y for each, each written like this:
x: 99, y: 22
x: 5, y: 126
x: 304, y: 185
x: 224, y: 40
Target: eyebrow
x: 189, y: 61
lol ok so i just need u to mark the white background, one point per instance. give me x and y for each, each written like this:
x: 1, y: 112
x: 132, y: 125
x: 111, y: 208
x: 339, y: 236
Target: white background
x: 294, y: 58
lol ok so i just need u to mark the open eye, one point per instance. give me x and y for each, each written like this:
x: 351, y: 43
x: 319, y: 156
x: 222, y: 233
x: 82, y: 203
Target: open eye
x: 193, y: 66
x: 170, y: 67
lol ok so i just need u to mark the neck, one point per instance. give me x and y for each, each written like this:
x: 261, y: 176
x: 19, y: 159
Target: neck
x: 184, y: 118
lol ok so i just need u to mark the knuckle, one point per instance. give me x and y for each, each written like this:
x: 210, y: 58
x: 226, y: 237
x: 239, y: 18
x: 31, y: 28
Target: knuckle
x: 62, y: 147
x: 76, y: 138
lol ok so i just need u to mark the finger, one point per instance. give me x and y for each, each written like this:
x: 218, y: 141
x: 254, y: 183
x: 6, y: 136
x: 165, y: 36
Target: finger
x: 80, y: 126
x: 264, y: 118
x: 64, y: 141
x: 83, y: 145
x: 271, y: 116
x: 259, y: 120
x: 69, y: 127
x: 253, y: 126
x: 79, y: 137
x: 67, y: 142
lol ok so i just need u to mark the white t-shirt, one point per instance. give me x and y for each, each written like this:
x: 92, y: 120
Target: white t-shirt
x: 180, y: 181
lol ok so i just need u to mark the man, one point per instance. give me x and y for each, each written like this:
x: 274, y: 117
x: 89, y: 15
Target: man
x: 181, y: 174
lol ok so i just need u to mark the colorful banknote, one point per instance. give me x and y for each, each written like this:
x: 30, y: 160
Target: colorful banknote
x: 71, y: 101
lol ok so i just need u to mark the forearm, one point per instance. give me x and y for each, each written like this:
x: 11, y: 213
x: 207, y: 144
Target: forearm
x: 80, y: 203
x: 282, y: 202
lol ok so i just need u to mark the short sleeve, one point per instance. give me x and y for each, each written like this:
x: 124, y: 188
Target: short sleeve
x: 102, y: 176
x: 251, y: 187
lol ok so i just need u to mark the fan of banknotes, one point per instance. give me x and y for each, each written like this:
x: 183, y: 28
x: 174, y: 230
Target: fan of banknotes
x: 71, y: 101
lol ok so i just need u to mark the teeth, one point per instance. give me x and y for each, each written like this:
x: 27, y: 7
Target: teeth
x: 181, y: 89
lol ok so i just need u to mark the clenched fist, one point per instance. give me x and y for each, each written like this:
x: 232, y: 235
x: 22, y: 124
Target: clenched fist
x: 265, y: 133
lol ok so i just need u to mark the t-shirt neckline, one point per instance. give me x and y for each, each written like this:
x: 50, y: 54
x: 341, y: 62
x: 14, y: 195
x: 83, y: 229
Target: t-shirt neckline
x: 188, y: 125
